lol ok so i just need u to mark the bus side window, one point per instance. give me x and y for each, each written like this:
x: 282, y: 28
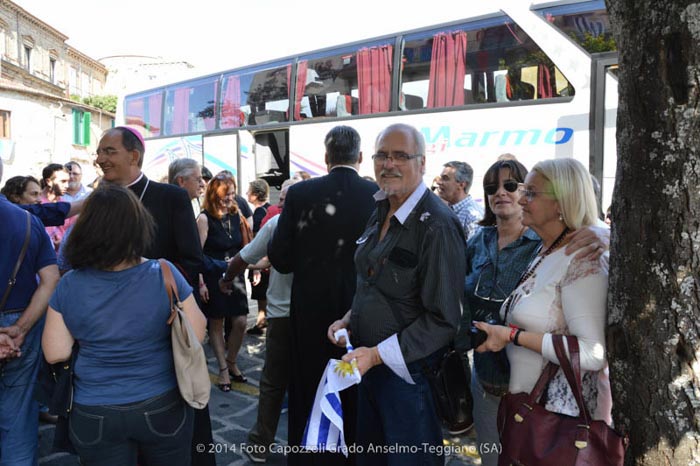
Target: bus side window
x: 266, y: 92
x: 349, y: 81
x: 144, y: 111
x: 482, y: 61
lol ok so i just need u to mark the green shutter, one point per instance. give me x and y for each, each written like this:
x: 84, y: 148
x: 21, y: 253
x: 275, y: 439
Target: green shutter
x: 76, y: 126
x: 86, y: 128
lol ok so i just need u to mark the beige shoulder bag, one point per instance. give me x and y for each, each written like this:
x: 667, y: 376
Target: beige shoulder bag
x: 190, y: 363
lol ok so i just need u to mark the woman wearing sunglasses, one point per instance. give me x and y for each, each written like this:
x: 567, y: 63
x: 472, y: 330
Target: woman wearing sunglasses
x: 498, y: 254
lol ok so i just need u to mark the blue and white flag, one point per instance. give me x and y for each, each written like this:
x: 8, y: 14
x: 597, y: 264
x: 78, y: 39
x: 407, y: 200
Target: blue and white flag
x: 324, y: 429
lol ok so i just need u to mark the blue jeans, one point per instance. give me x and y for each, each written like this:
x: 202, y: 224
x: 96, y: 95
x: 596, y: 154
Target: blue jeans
x: 160, y: 429
x: 396, y: 422
x: 19, y: 411
x: 485, y: 413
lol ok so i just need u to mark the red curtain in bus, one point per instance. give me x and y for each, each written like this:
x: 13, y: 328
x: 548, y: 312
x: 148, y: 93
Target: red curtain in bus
x: 544, y: 82
x: 152, y: 120
x: 302, y: 68
x: 447, y: 69
x: 181, y: 111
x: 231, y: 116
x: 374, y: 79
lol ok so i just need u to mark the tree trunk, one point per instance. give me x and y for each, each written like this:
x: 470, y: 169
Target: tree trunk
x: 654, y: 304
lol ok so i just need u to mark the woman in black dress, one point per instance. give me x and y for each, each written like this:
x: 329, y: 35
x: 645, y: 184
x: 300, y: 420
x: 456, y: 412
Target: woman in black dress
x: 219, y: 227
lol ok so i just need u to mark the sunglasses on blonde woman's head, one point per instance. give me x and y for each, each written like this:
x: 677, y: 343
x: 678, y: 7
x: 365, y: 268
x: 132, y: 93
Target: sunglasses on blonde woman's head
x: 510, y: 186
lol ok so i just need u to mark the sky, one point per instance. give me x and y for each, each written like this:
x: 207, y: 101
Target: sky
x: 215, y: 35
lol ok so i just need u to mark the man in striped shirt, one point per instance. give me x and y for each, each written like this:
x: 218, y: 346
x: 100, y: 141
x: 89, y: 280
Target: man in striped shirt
x: 453, y: 187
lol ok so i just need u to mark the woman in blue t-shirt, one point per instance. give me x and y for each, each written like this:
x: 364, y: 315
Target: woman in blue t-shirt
x: 114, y: 305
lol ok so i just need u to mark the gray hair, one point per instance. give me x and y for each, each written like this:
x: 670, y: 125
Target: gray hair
x: 260, y: 189
x: 342, y: 145
x: 464, y: 173
x: 417, y: 136
x: 181, y: 167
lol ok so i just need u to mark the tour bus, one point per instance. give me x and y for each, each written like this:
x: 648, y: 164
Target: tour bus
x: 536, y: 80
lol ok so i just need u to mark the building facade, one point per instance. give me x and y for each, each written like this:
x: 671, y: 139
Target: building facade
x: 40, y: 78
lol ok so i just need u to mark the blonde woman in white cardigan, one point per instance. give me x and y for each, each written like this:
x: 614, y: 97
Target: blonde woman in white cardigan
x: 557, y: 294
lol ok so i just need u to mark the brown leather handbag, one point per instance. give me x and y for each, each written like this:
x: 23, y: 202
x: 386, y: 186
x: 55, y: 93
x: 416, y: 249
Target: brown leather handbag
x: 531, y: 435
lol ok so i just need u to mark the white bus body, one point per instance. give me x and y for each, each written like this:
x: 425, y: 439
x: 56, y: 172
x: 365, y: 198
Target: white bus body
x: 581, y: 126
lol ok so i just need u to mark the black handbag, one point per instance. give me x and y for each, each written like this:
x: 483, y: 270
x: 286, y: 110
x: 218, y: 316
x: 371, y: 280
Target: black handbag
x: 55, y: 389
x: 61, y: 399
x: 449, y: 384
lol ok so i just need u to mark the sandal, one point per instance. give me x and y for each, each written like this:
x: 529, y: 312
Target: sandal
x: 224, y: 387
x: 238, y: 378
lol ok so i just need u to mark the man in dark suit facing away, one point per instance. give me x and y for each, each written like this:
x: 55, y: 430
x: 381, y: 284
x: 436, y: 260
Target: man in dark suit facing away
x: 315, y: 239
x: 120, y: 156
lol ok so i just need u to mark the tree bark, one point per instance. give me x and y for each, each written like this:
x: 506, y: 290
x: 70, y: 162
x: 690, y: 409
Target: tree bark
x: 654, y: 304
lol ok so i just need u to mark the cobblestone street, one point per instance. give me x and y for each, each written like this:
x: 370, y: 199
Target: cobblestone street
x: 233, y: 414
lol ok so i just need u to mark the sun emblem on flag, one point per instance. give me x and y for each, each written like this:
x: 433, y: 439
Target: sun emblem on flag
x: 345, y: 369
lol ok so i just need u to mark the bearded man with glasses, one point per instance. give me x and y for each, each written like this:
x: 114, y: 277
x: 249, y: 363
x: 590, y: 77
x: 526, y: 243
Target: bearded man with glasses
x: 407, y: 305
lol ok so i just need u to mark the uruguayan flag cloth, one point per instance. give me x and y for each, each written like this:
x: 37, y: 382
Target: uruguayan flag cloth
x: 324, y: 429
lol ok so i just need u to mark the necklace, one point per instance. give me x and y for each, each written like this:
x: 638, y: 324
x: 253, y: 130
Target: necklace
x: 144, y: 190
x: 226, y: 226
x: 532, y: 267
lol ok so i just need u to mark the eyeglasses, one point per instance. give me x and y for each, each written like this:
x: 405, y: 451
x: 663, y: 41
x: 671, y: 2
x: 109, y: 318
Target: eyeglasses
x: 488, y: 295
x: 529, y: 194
x: 510, y: 186
x: 108, y: 152
x: 398, y: 158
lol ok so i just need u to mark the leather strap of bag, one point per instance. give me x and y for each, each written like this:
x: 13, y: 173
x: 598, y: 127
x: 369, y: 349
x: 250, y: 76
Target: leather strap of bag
x: 170, y: 288
x: 572, y: 370
x: 548, y: 373
x: 18, y: 264
x: 246, y: 232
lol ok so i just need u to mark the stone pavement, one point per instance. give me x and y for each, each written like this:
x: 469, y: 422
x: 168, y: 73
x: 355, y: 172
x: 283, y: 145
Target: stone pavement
x: 233, y: 414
